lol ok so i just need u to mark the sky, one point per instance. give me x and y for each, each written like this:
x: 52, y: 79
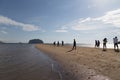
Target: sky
x: 57, y: 20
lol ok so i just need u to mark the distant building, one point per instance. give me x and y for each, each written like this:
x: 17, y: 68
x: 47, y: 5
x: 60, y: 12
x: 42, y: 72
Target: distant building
x: 35, y: 41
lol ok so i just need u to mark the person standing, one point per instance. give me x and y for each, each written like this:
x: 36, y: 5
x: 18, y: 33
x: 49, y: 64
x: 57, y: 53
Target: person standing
x: 98, y: 44
x: 58, y: 43
x: 62, y: 43
x: 104, y: 44
x: 74, y: 44
x: 115, y: 41
x: 54, y: 43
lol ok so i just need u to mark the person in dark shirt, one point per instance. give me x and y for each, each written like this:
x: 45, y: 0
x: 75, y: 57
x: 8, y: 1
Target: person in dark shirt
x: 54, y: 43
x: 74, y: 45
x: 58, y: 43
x: 98, y: 44
x: 104, y: 44
x: 62, y: 43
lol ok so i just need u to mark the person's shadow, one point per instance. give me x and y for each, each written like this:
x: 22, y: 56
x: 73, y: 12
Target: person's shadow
x: 104, y: 50
x: 70, y: 50
x: 117, y: 51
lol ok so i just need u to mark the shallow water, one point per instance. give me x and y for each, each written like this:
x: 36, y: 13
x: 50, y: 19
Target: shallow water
x: 110, y: 46
x: 25, y: 62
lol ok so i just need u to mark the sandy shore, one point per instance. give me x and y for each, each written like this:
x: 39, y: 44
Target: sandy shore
x: 86, y: 63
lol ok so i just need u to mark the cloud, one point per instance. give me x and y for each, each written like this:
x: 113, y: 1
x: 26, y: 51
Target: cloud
x: 111, y: 18
x: 83, y: 27
x: 4, y: 32
x: 25, y: 27
x: 61, y: 30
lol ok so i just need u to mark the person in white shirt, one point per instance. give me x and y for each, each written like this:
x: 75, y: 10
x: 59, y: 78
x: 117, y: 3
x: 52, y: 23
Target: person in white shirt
x: 115, y: 41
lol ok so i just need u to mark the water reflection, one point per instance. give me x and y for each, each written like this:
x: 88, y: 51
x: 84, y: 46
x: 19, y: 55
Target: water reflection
x: 25, y: 62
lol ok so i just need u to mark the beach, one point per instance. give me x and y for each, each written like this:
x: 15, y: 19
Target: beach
x: 85, y: 63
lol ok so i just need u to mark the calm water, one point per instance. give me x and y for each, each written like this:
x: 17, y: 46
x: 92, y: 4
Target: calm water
x: 25, y: 62
x: 111, y: 46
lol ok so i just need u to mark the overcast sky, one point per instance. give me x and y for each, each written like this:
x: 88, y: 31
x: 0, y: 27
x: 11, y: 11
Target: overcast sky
x: 56, y: 20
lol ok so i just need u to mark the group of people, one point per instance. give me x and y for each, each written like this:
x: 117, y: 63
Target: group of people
x: 115, y: 42
x: 58, y: 44
x: 62, y: 44
x: 97, y: 43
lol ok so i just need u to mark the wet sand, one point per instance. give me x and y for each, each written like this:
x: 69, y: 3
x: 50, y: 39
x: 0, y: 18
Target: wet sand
x: 86, y: 63
x: 25, y: 62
